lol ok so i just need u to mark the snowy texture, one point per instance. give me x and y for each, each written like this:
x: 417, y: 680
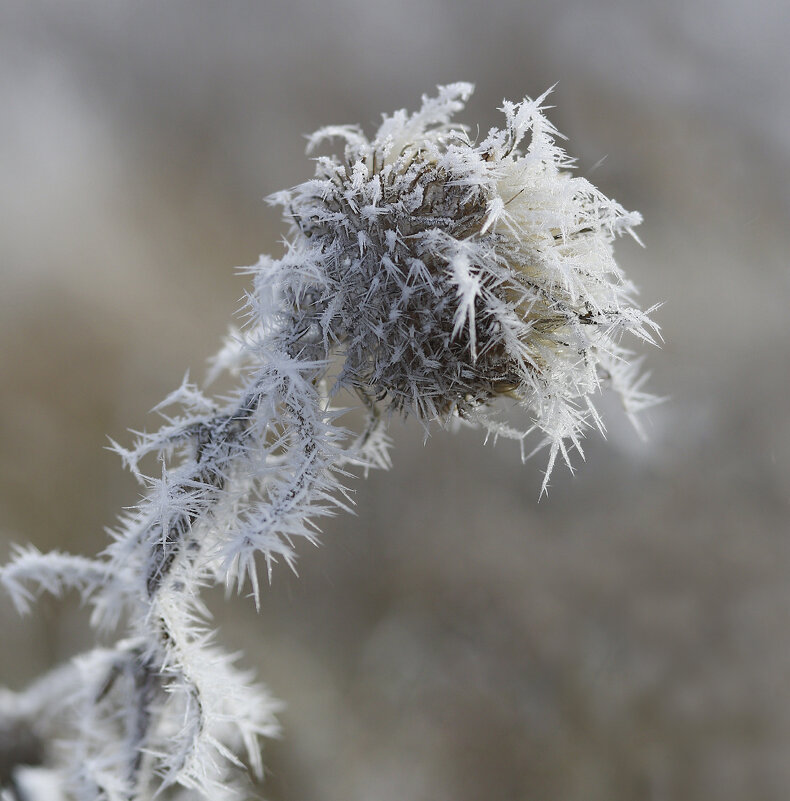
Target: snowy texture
x: 425, y: 274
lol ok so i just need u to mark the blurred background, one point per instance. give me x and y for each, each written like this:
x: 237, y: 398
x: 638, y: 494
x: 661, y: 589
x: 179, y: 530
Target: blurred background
x: 625, y: 639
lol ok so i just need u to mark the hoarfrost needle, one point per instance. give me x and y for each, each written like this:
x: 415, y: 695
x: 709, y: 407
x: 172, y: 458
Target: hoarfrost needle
x: 427, y: 274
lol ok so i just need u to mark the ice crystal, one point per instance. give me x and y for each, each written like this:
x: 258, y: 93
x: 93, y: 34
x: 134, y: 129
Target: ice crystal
x: 451, y: 273
x: 426, y: 274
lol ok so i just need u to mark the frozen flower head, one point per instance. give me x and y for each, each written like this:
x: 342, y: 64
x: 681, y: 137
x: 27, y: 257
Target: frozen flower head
x: 426, y: 272
x: 453, y: 272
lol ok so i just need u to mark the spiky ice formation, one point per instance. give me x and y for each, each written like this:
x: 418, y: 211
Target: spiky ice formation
x: 426, y: 273
x: 450, y: 272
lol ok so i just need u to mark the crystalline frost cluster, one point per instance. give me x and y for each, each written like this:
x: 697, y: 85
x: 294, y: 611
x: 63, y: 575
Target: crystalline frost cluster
x: 426, y: 274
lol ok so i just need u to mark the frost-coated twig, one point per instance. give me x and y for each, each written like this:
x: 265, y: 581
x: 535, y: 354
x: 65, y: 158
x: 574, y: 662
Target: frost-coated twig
x: 425, y: 274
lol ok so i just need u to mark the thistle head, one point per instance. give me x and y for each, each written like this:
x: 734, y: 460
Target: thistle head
x: 451, y: 272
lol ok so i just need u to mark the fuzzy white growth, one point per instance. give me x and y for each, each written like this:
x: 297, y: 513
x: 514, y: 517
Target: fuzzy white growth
x: 426, y: 274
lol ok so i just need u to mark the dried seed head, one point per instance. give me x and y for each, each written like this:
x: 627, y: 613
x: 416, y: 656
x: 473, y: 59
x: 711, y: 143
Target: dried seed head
x: 450, y: 272
x: 442, y: 274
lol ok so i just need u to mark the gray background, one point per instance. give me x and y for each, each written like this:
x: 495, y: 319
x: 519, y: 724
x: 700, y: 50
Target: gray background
x: 625, y: 638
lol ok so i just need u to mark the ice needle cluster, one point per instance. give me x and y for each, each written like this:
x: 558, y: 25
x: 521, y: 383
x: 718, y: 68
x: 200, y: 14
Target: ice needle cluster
x: 425, y: 273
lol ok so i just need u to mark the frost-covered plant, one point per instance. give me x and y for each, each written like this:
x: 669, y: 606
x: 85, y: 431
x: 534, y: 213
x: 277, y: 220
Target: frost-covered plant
x: 426, y: 274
